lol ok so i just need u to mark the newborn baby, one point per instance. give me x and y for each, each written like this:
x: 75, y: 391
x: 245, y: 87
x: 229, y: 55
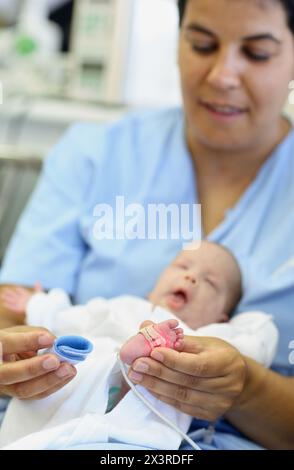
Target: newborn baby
x: 195, y: 295
x: 201, y: 286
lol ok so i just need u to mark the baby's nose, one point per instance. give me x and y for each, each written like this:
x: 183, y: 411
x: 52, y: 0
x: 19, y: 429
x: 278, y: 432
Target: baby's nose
x: 191, y: 278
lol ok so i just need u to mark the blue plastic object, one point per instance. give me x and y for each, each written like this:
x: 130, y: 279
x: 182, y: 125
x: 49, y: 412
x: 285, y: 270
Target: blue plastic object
x: 72, y: 349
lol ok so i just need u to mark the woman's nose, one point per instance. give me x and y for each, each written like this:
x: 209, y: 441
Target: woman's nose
x: 225, y: 72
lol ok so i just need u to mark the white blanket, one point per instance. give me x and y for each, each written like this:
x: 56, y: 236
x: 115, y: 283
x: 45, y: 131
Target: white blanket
x: 76, y: 414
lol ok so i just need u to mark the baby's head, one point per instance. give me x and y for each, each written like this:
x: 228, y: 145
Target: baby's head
x: 201, y: 286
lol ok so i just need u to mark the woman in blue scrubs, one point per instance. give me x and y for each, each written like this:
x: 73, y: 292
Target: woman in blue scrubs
x: 229, y: 149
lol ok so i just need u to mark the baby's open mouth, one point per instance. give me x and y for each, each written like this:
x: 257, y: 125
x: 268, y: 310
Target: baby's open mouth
x: 176, y: 300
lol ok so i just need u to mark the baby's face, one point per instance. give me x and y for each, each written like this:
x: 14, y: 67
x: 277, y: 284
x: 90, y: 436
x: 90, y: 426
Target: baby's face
x: 195, y: 286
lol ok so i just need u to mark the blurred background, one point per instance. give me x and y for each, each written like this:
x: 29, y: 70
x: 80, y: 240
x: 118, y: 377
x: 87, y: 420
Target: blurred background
x: 63, y: 61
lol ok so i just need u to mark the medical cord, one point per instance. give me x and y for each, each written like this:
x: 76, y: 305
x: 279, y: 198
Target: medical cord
x: 208, y: 436
x: 155, y: 411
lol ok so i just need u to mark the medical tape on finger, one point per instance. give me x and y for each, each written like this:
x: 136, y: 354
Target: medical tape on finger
x: 153, y: 337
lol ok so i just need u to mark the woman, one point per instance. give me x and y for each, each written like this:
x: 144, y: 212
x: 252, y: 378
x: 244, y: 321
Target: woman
x: 231, y: 151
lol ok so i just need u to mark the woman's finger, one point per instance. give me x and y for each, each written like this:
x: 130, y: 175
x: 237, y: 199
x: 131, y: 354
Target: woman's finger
x: 14, y: 341
x: 27, y: 369
x: 150, y: 367
x: 53, y: 389
x: 177, y: 392
x: 41, y: 386
x: 203, y: 364
x: 27, y: 354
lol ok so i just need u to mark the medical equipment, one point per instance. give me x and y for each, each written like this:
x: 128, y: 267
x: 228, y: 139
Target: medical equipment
x: 74, y: 349
x: 154, y: 338
x: 99, y: 46
x: 155, y: 411
x: 34, y: 33
x: 71, y: 349
x: 29, y: 127
x: 19, y: 172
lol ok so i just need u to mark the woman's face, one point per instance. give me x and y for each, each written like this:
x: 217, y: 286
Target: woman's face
x: 236, y: 59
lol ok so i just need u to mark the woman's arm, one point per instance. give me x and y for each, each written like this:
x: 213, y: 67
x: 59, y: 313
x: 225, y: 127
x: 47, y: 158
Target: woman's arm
x: 264, y: 411
x: 210, y: 379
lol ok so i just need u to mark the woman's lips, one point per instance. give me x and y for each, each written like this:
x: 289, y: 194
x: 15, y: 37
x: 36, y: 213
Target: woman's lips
x: 223, y: 112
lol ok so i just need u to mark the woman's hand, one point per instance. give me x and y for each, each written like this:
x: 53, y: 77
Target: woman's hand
x: 25, y: 375
x: 203, y: 380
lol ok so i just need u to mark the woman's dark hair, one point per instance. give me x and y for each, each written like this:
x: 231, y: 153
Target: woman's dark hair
x: 287, y: 4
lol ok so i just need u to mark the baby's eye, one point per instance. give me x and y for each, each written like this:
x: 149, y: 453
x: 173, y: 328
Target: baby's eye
x: 210, y: 281
x: 181, y: 265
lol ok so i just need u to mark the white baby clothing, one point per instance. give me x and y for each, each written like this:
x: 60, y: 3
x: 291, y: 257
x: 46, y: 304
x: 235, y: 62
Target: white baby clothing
x: 76, y: 414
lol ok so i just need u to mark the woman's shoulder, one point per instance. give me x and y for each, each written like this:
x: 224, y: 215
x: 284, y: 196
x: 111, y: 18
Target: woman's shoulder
x: 138, y: 138
x: 133, y: 122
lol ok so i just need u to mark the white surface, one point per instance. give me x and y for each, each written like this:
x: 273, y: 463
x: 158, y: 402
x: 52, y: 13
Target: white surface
x: 153, y: 77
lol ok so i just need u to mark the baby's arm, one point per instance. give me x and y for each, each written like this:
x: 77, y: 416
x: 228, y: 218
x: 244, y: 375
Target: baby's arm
x: 55, y: 312
x: 46, y: 310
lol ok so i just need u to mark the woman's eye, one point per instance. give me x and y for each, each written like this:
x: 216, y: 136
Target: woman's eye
x: 203, y: 49
x: 255, y: 56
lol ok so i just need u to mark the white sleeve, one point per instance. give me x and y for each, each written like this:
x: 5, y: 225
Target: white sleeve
x: 43, y: 308
x: 254, y: 334
x: 55, y: 312
x: 118, y: 318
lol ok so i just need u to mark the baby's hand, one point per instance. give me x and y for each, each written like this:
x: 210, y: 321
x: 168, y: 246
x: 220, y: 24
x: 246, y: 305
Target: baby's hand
x: 16, y: 298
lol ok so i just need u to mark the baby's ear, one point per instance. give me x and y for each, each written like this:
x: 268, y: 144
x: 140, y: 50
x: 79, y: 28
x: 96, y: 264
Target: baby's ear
x: 224, y: 317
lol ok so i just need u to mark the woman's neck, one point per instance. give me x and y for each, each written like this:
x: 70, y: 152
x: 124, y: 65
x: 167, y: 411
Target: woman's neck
x: 233, y: 165
x: 223, y: 176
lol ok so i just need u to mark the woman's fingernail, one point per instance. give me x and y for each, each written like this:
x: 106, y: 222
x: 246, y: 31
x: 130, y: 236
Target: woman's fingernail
x: 136, y: 377
x: 65, y: 371
x: 141, y: 367
x: 51, y: 363
x: 45, y: 340
x: 157, y: 355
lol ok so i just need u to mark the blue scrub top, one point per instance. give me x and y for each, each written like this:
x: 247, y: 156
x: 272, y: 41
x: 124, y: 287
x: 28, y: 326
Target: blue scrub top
x: 144, y: 158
